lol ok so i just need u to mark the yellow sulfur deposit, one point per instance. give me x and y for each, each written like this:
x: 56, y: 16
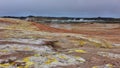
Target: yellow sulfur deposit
x: 36, y: 55
x: 82, y: 42
x: 62, y: 57
x: 77, y: 50
x: 28, y: 62
x: 26, y: 59
x: 3, y: 50
x: 5, y: 65
x: 70, y: 51
x: 80, y: 51
x: 49, y: 61
x: 109, y: 65
x: 94, y: 67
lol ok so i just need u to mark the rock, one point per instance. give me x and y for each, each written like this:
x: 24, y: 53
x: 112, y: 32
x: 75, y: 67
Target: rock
x: 109, y: 55
x: 19, y: 63
x: 9, y: 60
x: 104, y: 66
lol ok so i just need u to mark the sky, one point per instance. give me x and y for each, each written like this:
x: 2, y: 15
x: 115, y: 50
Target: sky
x: 60, y: 8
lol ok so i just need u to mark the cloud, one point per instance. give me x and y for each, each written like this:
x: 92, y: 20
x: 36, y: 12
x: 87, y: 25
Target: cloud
x: 78, y: 8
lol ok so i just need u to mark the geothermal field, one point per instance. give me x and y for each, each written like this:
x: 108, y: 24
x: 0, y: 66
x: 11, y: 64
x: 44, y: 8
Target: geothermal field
x: 26, y: 44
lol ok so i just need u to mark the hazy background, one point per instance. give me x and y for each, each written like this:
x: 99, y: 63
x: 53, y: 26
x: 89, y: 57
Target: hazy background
x: 72, y: 8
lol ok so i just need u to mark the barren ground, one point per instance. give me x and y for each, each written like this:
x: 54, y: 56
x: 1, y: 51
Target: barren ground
x: 31, y: 45
x: 109, y: 32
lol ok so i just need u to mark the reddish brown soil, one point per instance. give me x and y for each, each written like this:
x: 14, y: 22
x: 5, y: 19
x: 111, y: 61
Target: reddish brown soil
x: 50, y: 29
x: 7, y: 21
x: 99, y: 30
x: 110, y: 32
